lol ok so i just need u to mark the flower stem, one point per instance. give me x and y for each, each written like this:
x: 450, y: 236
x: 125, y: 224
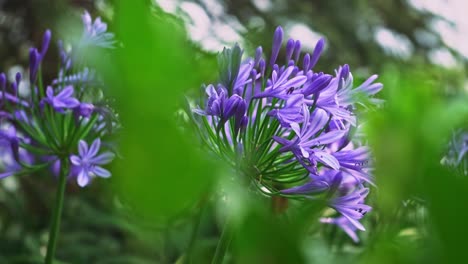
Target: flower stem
x: 223, y: 243
x: 57, y: 213
x: 196, y: 225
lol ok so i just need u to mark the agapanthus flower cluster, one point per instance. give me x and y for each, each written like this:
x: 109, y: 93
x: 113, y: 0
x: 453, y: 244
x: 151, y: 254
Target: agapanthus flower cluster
x: 291, y: 129
x: 457, y: 157
x: 66, y: 121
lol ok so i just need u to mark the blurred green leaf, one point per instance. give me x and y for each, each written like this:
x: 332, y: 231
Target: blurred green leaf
x: 409, y: 137
x: 162, y: 172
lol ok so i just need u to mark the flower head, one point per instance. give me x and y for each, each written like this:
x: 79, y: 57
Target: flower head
x: 45, y: 126
x: 457, y: 156
x: 295, y: 138
x: 95, y: 32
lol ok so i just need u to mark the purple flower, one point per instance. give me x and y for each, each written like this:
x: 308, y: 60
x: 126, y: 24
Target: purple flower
x: 316, y: 82
x: 238, y: 106
x: 352, y: 206
x: 281, y: 85
x: 215, y: 101
x: 343, y: 223
x: 297, y: 50
x: 456, y: 156
x: 316, y: 54
x: 10, y: 152
x: 45, y: 42
x: 65, y: 58
x: 63, y: 100
x: 12, y: 98
x: 35, y: 57
x: 258, y: 55
x: 8, y: 138
x: 85, y: 109
x: 291, y: 112
x: 318, y: 184
x: 277, y: 41
x: 220, y: 105
x: 306, y: 138
x: 34, y: 62
x: 88, y: 161
x: 244, y: 78
x: 95, y: 33
x: 289, y: 49
x: 347, y: 95
x: 355, y: 162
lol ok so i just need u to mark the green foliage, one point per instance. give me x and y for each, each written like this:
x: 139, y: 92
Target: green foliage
x: 162, y: 171
x: 409, y: 138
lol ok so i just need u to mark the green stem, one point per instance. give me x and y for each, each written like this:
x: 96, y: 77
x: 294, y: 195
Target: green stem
x: 196, y: 226
x: 57, y: 213
x: 223, y: 243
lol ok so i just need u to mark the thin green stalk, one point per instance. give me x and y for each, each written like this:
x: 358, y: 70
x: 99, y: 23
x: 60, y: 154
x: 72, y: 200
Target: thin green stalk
x: 223, y: 243
x: 57, y: 213
x: 196, y: 226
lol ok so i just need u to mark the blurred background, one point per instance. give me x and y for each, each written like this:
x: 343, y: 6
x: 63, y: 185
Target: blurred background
x: 145, y: 213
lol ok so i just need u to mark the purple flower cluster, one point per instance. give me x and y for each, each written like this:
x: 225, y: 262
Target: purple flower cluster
x: 457, y: 156
x: 291, y: 128
x: 55, y: 121
x: 95, y: 32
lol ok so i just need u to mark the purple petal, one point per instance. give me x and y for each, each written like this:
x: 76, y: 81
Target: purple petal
x: 317, y: 52
x: 295, y: 127
x: 45, y: 42
x: 101, y: 172
x: 289, y: 49
x: 258, y: 55
x: 211, y: 91
x: 93, y: 150
x: 306, y: 62
x: 327, y: 138
x: 284, y: 76
x: 66, y: 92
x: 70, y: 103
x: 50, y: 92
x: 103, y: 158
x: 355, y: 223
x: 316, y: 122
x: 6, y: 174
x: 297, y: 50
x: 83, y: 178
x: 313, y: 186
x: 295, y: 82
x: 318, y: 84
x: 75, y: 160
x: 86, y: 17
x: 327, y: 159
x: 199, y: 111
x: 83, y: 148
x: 277, y: 41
